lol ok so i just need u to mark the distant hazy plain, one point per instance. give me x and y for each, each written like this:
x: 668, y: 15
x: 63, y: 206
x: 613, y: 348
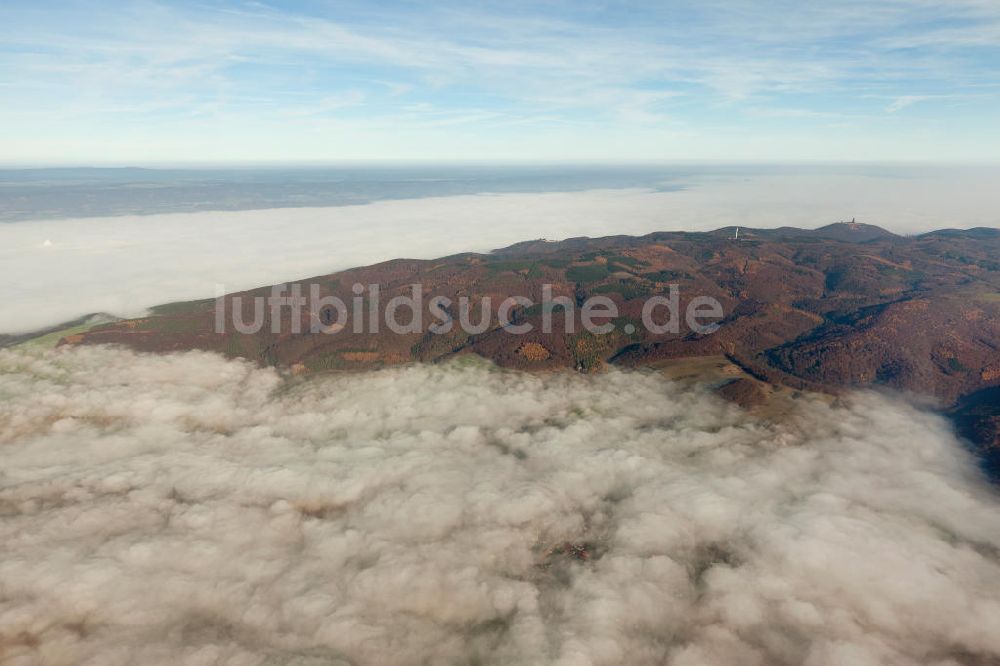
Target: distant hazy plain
x: 76, y: 241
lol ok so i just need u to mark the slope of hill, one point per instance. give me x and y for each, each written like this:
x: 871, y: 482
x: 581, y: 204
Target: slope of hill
x: 981, y: 233
x: 859, y: 307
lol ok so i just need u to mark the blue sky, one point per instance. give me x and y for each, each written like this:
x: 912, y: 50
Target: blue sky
x: 153, y: 82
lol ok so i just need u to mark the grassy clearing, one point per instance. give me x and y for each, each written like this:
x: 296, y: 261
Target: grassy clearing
x: 50, y: 340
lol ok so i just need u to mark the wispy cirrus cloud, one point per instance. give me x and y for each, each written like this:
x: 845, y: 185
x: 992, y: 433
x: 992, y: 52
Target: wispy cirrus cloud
x: 906, y: 100
x: 619, y: 68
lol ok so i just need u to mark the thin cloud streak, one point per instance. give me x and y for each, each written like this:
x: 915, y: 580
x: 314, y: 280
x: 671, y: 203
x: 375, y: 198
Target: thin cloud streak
x: 614, y: 68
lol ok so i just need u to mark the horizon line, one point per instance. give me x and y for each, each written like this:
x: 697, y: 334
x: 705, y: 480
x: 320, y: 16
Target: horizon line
x: 388, y: 162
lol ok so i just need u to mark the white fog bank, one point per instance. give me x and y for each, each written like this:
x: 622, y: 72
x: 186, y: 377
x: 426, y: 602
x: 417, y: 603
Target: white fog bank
x: 188, y: 509
x: 53, y: 271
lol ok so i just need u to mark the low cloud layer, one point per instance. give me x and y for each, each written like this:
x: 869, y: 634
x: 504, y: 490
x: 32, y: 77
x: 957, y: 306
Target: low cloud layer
x: 57, y: 270
x: 188, y: 509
